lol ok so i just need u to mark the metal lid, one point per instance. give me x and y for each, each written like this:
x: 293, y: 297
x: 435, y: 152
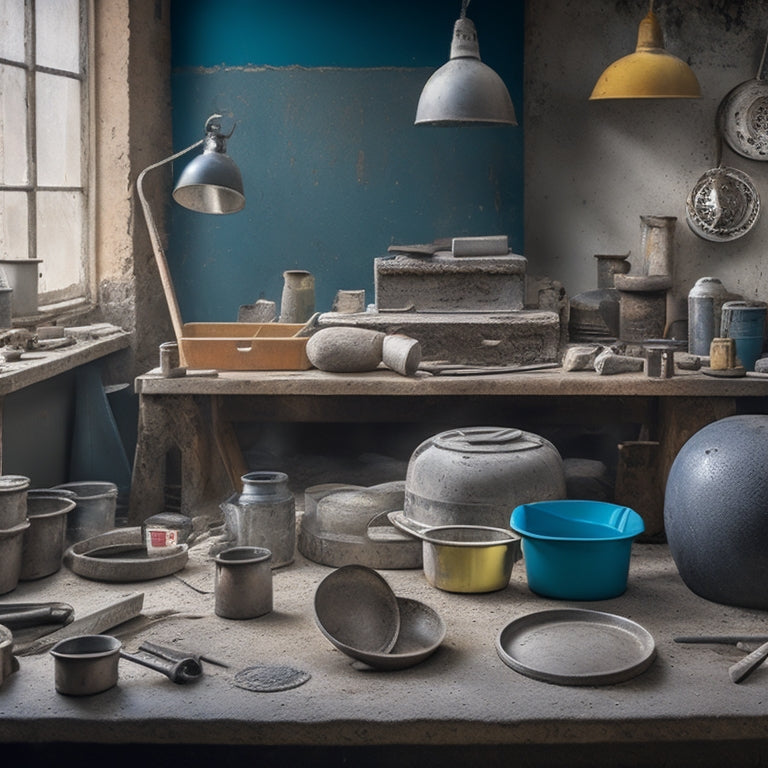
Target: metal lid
x: 486, y: 440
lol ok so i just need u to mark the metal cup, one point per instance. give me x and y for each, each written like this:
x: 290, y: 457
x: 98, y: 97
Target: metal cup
x: 243, y: 583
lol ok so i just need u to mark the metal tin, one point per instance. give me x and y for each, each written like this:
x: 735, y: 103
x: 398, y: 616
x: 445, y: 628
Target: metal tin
x: 43, y: 542
x: 705, y: 303
x: 243, y: 583
x: 13, y: 500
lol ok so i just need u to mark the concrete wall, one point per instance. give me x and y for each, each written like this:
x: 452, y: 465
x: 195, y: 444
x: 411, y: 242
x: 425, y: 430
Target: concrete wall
x: 592, y: 168
x: 324, y: 95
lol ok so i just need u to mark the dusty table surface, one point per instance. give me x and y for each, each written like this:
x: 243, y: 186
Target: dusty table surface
x: 464, y: 694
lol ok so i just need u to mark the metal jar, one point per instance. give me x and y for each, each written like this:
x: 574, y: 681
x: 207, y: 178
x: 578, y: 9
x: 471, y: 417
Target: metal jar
x: 477, y: 475
x: 263, y: 515
x: 243, y: 583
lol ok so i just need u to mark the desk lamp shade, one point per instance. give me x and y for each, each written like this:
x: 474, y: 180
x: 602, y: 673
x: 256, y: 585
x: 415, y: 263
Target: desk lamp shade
x: 211, y: 183
x: 464, y: 91
x: 648, y: 73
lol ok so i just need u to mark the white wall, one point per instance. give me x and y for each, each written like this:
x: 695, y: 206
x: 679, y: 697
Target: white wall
x: 592, y: 168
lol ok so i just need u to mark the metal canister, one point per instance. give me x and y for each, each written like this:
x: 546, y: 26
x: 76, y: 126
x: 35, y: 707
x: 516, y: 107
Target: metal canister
x: 705, y: 303
x: 243, y: 583
x: 263, y: 515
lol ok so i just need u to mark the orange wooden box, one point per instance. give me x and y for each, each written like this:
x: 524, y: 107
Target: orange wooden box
x: 243, y: 347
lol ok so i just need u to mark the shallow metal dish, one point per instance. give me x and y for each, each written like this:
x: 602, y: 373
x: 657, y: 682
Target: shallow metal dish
x: 121, y: 556
x: 356, y: 608
x: 576, y: 647
x: 421, y: 633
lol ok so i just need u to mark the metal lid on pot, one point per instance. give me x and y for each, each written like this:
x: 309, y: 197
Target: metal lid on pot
x: 486, y: 440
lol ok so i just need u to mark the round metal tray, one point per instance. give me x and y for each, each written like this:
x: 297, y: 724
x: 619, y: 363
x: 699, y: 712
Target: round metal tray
x: 120, y: 555
x: 572, y: 646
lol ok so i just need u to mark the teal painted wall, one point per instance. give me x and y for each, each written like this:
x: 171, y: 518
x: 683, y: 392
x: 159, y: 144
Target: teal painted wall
x: 323, y: 95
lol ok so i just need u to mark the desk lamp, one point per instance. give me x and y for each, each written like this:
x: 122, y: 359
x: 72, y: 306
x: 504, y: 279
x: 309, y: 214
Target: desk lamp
x: 211, y: 183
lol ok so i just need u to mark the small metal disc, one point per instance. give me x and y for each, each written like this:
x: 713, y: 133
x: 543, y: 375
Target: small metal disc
x: 265, y: 677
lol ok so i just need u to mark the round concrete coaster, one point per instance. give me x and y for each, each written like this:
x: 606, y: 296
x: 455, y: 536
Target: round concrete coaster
x: 263, y: 677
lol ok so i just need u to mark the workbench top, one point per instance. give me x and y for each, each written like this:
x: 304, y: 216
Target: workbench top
x: 462, y: 695
x: 553, y: 381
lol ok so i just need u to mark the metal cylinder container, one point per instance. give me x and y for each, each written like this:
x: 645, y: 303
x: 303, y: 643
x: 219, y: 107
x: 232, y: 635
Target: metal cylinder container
x: 263, y: 515
x: 705, y: 303
x: 243, y: 583
x: 94, y: 512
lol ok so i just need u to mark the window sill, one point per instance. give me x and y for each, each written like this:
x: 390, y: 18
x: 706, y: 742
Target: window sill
x: 55, y: 314
x: 50, y: 357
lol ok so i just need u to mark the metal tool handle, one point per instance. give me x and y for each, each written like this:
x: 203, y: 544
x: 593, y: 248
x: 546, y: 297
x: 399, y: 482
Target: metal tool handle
x: 181, y: 671
x: 742, y: 669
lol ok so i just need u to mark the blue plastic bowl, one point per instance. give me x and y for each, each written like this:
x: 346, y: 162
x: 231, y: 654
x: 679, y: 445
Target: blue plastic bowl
x: 576, y: 550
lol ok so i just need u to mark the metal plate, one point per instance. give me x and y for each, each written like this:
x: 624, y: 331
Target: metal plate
x: 742, y: 119
x: 576, y: 647
x: 723, y: 205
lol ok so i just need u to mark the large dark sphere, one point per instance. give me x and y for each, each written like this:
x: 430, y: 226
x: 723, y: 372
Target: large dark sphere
x: 716, y: 511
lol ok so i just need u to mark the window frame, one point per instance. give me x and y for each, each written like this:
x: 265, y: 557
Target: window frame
x: 55, y: 301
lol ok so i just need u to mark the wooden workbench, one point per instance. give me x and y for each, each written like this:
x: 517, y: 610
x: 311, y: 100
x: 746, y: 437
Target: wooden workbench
x: 196, y: 414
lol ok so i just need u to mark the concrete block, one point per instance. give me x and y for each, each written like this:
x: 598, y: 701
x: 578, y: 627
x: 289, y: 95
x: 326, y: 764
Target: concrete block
x: 492, y: 338
x: 446, y: 283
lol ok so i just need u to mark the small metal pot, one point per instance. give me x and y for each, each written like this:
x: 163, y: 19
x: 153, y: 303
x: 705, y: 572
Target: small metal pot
x: 86, y: 664
x: 469, y: 558
x: 43, y: 542
x: 243, y: 583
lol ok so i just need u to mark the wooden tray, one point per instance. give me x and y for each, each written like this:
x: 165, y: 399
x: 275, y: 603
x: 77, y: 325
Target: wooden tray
x: 243, y: 347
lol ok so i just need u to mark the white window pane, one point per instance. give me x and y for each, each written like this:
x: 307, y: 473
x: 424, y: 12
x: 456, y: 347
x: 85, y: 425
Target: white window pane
x: 13, y: 225
x: 57, y: 23
x: 58, y: 131
x: 13, y: 127
x: 12, y: 30
x: 59, y: 233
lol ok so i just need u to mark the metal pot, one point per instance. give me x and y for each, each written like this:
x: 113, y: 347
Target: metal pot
x: 478, y: 475
x: 86, y: 664
x: 469, y: 558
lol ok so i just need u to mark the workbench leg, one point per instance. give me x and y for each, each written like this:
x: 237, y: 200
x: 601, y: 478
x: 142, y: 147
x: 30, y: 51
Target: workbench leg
x: 165, y: 423
x: 680, y: 419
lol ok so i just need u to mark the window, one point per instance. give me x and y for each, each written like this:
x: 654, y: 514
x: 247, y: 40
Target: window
x: 44, y: 142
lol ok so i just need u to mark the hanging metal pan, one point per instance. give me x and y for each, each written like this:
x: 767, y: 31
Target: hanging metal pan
x: 742, y: 116
x: 723, y: 205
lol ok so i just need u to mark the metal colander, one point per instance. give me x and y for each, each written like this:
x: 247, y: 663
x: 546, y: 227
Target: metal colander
x: 723, y: 205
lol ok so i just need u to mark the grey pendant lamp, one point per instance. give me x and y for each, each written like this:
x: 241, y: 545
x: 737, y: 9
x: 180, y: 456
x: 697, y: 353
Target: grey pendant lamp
x: 464, y: 91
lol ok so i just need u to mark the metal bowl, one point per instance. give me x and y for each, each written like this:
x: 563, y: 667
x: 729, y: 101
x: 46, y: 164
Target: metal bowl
x: 86, y: 664
x: 421, y: 633
x: 356, y: 608
x: 469, y: 558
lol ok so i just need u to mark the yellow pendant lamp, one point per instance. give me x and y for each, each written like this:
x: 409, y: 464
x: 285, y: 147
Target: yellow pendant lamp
x: 648, y: 73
